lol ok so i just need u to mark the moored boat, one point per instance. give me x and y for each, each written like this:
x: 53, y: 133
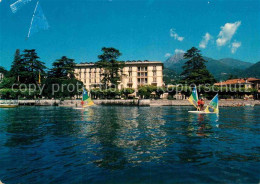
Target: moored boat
x: 8, y: 103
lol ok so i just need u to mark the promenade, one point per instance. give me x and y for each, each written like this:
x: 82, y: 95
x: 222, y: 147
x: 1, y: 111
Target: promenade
x: 133, y: 102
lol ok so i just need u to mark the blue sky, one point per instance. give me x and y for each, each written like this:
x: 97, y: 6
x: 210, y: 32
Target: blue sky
x: 140, y: 29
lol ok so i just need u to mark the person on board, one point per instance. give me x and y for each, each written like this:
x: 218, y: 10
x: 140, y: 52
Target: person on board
x: 201, y: 104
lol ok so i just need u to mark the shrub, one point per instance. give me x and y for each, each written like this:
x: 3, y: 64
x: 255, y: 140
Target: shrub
x: 127, y: 91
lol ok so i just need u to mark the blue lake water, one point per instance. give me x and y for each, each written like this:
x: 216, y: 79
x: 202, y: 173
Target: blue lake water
x: 116, y: 144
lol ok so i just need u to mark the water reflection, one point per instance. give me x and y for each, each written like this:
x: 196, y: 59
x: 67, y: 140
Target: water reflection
x: 90, y: 145
x: 125, y: 136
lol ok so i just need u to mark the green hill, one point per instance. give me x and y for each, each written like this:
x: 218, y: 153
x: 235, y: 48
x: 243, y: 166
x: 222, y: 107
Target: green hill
x: 221, y: 69
x: 253, y: 71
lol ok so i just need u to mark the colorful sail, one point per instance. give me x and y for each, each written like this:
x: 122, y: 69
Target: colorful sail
x: 213, y: 105
x: 193, y: 99
x: 86, y: 100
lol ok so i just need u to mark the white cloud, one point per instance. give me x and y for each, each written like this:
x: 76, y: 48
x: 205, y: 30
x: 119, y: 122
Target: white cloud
x: 227, y: 32
x: 205, y: 40
x: 235, y: 46
x: 167, y: 55
x: 175, y: 35
x: 178, y: 51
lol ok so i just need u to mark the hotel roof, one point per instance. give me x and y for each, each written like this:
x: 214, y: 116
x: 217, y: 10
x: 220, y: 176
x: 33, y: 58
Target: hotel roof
x: 237, y: 81
x: 134, y: 62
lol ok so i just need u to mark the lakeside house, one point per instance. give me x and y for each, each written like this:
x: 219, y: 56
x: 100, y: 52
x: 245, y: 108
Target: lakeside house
x: 247, y: 83
x: 133, y: 75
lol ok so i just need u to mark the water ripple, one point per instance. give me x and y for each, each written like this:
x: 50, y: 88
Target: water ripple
x: 104, y: 144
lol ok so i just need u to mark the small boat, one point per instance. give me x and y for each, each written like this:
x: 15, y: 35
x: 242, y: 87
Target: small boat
x: 212, y: 108
x: 8, y: 103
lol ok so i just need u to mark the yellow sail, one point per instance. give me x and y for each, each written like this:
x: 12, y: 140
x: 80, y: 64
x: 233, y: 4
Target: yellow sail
x: 86, y: 100
x: 213, y: 106
x: 193, y: 99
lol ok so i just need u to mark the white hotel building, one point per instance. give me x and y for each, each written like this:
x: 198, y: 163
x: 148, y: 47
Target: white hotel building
x: 134, y: 74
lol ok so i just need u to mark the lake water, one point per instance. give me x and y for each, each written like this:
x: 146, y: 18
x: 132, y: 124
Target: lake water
x: 116, y: 144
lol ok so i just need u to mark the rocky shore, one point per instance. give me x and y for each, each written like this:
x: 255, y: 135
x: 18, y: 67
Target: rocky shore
x: 134, y: 102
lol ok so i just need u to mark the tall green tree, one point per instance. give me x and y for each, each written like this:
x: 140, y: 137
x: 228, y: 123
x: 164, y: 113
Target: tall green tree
x: 33, y: 66
x: 63, y: 68
x: 195, y: 70
x: 111, y: 66
x: 17, y: 67
x: 61, y: 78
x: 27, y: 66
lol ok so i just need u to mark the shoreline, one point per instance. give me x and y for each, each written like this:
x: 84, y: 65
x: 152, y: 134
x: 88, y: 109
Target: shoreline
x: 134, y: 102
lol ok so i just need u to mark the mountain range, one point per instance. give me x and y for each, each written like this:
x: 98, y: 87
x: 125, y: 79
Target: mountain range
x: 221, y: 69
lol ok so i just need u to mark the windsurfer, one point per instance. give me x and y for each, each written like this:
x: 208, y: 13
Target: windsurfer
x: 201, y: 104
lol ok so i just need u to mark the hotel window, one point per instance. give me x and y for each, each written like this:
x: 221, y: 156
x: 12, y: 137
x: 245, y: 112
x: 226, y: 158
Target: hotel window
x: 154, y: 79
x: 145, y: 68
x: 142, y: 81
x: 130, y: 79
x: 130, y: 69
x: 130, y: 74
x: 154, y: 73
x: 139, y: 68
x: 154, y: 68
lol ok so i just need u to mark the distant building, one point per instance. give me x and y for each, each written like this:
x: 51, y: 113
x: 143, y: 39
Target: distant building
x: 246, y: 83
x: 133, y: 75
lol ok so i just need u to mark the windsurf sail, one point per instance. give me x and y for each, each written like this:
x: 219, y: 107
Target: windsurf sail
x: 86, y: 100
x: 213, y: 105
x: 193, y: 99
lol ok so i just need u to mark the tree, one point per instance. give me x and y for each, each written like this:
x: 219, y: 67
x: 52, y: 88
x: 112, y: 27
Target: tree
x: 63, y: 68
x: 145, y: 91
x: 108, y: 62
x: 26, y: 67
x: 3, y: 70
x: 17, y: 66
x: 61, y: 81
x: 127, y: 91
x: 7, y: 82
x: 195, y: 70
x: 33, y: 66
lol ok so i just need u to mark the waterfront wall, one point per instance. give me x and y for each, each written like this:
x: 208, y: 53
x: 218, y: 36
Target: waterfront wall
x: 132, y: 102
x: 39, y: 102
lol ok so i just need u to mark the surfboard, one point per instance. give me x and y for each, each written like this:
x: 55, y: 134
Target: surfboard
x: 201, y: 112
x: 78, y: 108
